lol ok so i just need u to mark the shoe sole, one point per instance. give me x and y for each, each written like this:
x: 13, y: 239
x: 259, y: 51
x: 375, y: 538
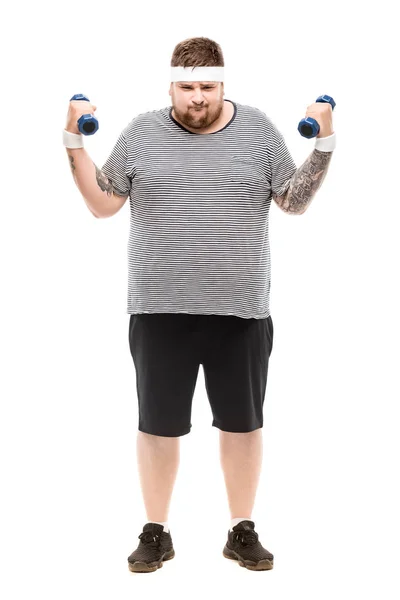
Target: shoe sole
x: 261, y: 565
x: 142, y: 567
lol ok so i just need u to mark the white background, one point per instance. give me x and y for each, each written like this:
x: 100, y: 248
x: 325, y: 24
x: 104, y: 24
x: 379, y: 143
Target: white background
x: 327, y: 503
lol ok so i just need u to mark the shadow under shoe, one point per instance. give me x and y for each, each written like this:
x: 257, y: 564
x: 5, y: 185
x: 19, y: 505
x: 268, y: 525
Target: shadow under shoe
x: 154, y: 547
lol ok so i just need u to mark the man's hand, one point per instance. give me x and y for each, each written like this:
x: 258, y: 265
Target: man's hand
x: 322, y: 113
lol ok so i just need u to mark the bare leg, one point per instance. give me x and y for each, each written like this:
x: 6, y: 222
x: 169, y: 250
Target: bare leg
x: 241, y: 459
x: 158, y: 462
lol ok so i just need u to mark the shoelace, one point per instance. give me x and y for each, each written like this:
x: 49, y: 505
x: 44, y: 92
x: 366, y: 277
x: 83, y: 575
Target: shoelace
x: 248, y: 537
x: 148, y: 537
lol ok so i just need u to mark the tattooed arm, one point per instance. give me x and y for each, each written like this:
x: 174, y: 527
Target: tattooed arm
x: 304, y: 183
x: 101, y: 198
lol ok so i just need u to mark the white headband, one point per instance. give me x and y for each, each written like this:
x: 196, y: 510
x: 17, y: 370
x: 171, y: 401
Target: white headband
x: 197, y: 73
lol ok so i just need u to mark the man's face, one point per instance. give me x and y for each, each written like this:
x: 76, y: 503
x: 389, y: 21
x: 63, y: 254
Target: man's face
x: 197, y: 104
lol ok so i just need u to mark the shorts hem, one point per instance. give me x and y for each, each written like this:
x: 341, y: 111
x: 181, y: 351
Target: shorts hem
x: 185, y: 432
x: 237, y: 429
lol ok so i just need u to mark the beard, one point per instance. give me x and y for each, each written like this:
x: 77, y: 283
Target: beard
x: 199, y: 119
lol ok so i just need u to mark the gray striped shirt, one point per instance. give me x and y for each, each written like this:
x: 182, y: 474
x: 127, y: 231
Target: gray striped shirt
x: 199, y: 208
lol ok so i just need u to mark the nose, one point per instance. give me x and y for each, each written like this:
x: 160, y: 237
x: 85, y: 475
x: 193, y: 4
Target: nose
x: 198, y: 97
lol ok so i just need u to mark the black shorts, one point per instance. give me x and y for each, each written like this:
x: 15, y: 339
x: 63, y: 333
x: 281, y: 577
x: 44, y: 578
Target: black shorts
x: 167, y: 350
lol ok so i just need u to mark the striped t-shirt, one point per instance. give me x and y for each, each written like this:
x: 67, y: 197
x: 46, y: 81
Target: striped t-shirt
x: 199, y: 207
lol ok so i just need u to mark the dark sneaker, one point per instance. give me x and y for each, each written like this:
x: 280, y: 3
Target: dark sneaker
x: 154, y: 547
x: 243, y: 546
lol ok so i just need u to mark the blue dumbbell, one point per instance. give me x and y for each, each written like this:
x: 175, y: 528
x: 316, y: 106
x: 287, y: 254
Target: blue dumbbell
x: 309, y: 127
x: 87, y: 124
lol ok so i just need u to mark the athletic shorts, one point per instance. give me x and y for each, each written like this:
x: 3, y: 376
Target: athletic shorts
x: 167, y: 351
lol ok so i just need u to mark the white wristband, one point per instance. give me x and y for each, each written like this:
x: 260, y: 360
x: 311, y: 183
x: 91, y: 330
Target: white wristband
x: 72, y: 140
x: 326, y: 144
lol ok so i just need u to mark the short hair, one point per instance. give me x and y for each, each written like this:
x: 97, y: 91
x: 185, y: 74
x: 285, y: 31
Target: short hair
x: 197, y: 52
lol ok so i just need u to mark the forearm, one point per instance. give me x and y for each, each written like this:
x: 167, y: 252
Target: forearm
x: 93, y: 184
x: 306, y: 181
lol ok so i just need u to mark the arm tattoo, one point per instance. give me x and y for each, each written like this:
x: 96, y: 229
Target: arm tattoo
x: 104, y: 183
x: 306, y: 181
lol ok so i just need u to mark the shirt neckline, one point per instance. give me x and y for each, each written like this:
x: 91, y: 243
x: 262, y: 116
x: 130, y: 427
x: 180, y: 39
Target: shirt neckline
x: 213, y: 132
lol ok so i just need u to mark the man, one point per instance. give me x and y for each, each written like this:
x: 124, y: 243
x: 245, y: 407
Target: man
x: 200, y: 176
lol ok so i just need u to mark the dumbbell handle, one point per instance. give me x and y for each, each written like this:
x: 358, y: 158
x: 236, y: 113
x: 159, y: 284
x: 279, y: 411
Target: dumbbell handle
x: 87, y: 124
x: 309, y: 127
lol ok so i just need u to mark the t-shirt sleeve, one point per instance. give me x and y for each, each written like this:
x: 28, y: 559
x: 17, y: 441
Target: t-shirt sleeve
x: 115, y: 167
x: 282, y: 167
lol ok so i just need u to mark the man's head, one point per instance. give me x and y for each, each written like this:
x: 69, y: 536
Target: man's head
x: 197, y: 104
